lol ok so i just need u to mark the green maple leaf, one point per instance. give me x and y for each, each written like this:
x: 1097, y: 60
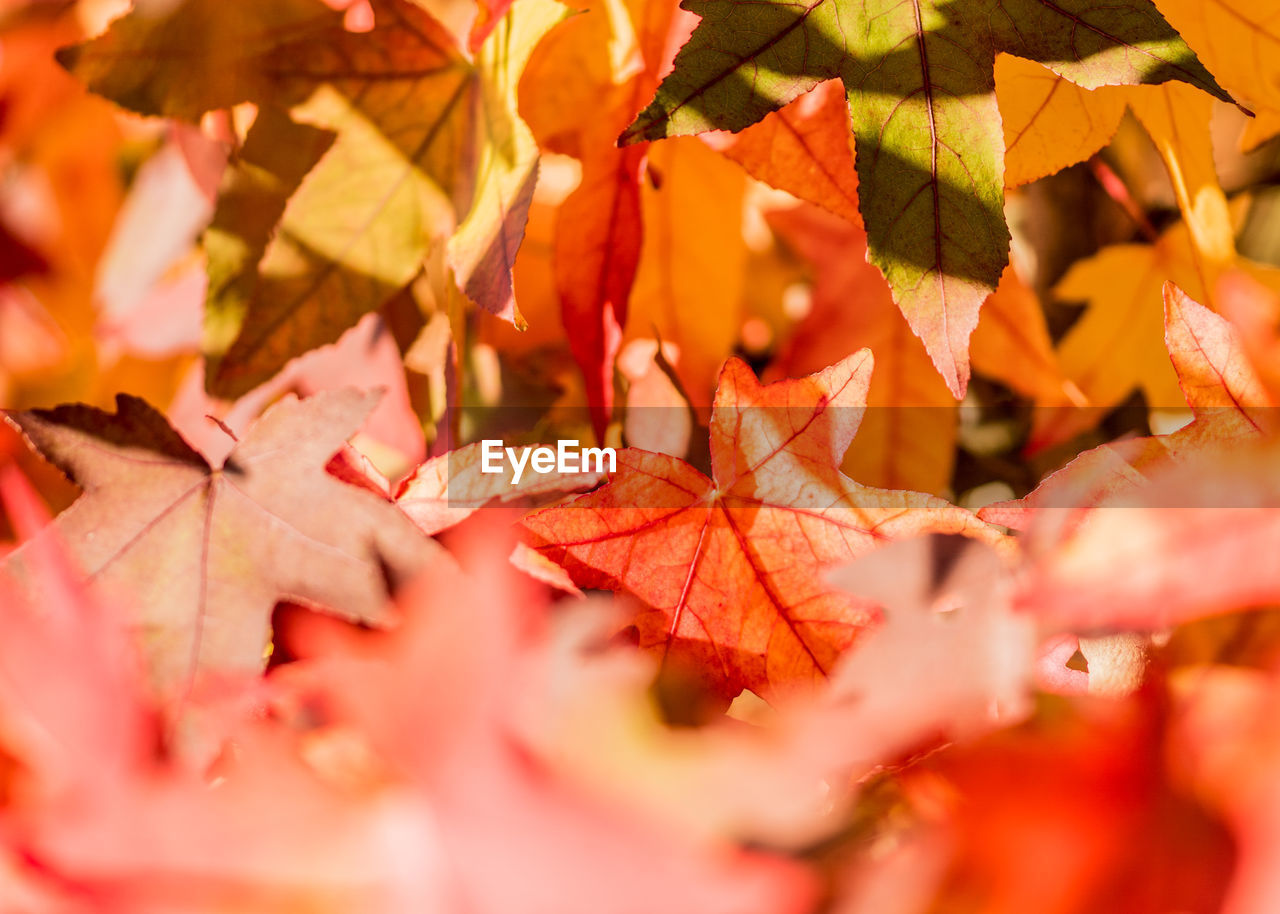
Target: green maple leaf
x: 920, y: 84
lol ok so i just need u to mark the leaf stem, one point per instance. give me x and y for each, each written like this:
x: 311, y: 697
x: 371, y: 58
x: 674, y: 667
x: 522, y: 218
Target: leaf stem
x: 1118, y: 191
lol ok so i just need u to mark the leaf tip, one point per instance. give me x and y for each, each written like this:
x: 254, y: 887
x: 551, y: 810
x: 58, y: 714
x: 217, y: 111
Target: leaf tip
x: 954, y: 373
x: 633, y: 134
x: 1175, y: 301
x: 861, y: 362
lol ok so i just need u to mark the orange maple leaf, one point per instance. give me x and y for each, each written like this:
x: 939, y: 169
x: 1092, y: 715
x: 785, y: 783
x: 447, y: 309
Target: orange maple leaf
x: 1198, y: 502
x: 1228, y: 405
x: 727, y: 568
x: 802, y: 148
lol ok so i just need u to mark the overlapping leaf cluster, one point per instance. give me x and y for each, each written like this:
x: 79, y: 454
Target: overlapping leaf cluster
x: 938, y: 341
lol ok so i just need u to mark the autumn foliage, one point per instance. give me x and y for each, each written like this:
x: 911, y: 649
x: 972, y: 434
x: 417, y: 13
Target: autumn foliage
x: 937, y: 342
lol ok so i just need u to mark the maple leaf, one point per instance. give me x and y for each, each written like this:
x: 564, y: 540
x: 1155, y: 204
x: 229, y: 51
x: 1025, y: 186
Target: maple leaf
x: 907, y: 438
x: 1125, y: 831
x: 326, y: 818
x: 1228, y: 405
x: 727, y: 567
x: 802, y: 148
x: 1198, y: 502
x: 691, y: 281
x: 1050, y: 124
x: 1011, y: 343
x: 89, y: 817
x: 919, y: 78
x: 206, y: 551
x: 1238, y: 41
x: 193, y: 57
x: 366, y: 357
x: 630, y: 254
x: 598, y: 241
x: 370, y: 149
x: 951, y: 657
x: 1254, y: 309
x: 56, y: 732
x: 446, y: 490
x: 442, y: 699
x: 1185, y: 546
x: 1117, y: 346
x: 610, y: 59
